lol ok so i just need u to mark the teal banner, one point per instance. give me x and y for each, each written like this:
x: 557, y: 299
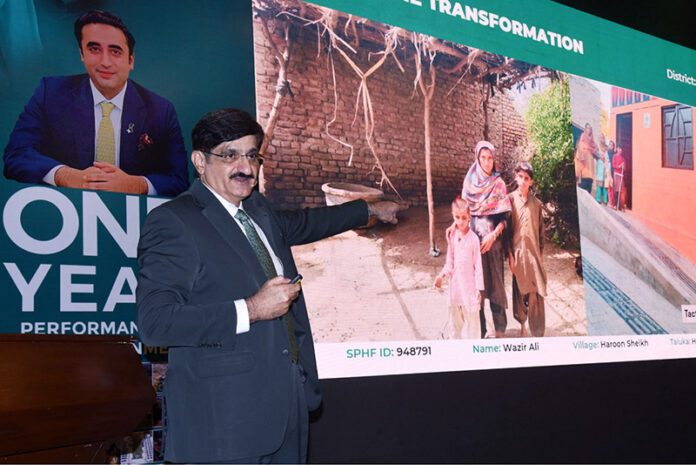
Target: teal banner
x: 69, y: 255
x: 69, y: 260
x: 547, y: 34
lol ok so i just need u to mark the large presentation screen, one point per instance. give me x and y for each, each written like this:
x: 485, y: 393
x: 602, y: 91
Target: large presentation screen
x: 538, y: 162
x: 596, y: 259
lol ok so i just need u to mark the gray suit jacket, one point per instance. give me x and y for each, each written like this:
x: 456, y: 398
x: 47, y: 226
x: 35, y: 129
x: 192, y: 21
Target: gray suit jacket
x: 226, y: 394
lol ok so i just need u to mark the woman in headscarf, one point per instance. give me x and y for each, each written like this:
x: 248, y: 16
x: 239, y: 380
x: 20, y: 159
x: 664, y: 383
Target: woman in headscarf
x: 585, y: 154
x: 490, y: 207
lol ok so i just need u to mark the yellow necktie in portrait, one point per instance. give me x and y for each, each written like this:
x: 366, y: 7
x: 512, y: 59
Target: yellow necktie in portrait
x: 106, y: 146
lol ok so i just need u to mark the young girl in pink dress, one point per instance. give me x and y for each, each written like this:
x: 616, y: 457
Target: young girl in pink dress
x: 463, y: 269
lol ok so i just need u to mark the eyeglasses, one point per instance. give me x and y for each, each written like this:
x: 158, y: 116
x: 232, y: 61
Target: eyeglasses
x: 233, y: 157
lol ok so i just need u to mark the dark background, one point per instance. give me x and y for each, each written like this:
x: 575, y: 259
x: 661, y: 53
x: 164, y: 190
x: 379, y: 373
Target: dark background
x: 636, y: 412
x: 671, y: 20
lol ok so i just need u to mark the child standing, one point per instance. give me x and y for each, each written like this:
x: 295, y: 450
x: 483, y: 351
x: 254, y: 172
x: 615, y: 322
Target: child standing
x: 525, y: 254
x: 610, y: 170
x: 608, y: 182
x: 463, y: 269
x: 600, y: 172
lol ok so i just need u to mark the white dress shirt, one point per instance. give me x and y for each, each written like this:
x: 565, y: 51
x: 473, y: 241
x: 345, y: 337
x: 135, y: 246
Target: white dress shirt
x: 241, y: 305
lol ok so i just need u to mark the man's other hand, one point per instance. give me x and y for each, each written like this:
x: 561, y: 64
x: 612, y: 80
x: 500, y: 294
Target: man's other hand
x: 101, y: 177
x: 273, y: 299
x: 72, y: 177
x: 113, y: 179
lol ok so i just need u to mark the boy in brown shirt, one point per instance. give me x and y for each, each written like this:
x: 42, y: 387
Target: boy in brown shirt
x: 525, y: 254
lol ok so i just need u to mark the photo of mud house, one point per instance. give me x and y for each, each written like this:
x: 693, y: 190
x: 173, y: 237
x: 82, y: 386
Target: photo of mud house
x: 354, y: 108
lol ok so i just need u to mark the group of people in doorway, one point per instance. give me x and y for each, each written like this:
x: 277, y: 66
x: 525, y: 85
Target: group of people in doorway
x: 489, y: 227
x: 602, y: 165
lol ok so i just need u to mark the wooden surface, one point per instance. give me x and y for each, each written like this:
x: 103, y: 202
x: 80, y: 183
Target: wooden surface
x: 59, y: 391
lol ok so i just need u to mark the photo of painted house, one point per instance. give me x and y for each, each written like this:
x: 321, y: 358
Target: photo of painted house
x: 658, y: 144
x: 638, y: 239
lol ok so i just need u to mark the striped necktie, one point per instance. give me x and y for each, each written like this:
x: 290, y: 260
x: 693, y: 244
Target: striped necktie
x: 267, y: 264
x: 106, y: 145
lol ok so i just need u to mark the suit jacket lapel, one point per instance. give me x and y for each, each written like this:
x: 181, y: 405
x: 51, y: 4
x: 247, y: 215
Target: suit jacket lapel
x: 228, y: 228
x: 261, y: 216
x: 82, y: 113
x: 132, y: 126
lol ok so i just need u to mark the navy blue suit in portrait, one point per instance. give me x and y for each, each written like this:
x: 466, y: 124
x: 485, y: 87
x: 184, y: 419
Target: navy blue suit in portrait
x: 57, y: 128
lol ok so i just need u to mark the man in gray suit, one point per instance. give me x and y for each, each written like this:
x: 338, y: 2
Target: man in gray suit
x: 213, y: 286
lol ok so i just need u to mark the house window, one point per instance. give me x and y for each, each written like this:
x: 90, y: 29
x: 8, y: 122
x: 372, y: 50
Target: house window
x: 678, y: 137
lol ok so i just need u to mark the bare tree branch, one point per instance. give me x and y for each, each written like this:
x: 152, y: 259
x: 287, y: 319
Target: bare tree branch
x: 421, y: 45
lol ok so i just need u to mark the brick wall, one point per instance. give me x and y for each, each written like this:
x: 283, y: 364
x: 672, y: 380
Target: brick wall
x: 301, y: 156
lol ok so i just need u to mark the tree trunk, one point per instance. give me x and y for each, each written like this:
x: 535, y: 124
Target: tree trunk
x: 282, y: 88
x: 277, y: 101
x: 427, y: 97
x: 434, y: 251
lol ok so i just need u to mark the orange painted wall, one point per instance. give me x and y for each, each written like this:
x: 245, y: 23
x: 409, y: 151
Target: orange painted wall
x: 664, y: 199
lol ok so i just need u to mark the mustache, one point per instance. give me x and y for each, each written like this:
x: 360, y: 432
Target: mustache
x: 242, y: 175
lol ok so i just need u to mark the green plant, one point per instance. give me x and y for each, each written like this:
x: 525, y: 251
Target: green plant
x: 549, y: 131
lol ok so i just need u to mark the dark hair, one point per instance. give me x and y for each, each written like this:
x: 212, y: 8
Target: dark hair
x: 103, y: 17
x: 526, y: 167
x: 224, y: 125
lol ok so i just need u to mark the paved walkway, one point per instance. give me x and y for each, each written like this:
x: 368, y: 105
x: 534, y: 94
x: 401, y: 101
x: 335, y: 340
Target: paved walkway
x: 635, y: 283
x: 673, y: 264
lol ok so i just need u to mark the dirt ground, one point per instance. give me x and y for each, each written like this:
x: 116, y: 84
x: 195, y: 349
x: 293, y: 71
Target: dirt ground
x: 377, y: 284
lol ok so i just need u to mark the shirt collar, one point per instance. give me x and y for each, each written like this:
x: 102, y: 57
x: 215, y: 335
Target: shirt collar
x: 98, y: 98
x: 229, y: 206
x: 522, y: 199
